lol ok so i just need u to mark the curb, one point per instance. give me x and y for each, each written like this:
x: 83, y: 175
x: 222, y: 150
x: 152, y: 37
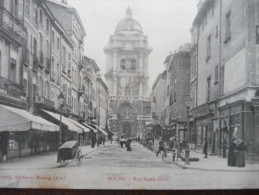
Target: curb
x: 204, y: 169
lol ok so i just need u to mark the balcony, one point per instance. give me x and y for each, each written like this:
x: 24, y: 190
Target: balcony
x: 11, y: 26
x: 144, y: 118
x: 41, y: 62
x: 48, y: 65
x: 9, y: 88
x: 81, y: 90
x: 26, y: 56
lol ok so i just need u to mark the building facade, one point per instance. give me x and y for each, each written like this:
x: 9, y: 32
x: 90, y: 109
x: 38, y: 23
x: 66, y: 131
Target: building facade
x: 227, y: 74
x: 127, y: 77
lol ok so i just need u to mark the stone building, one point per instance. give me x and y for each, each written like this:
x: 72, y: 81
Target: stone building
x: 22, y: 133
x: 102, y: 103
x: 127, y: 77
x: 68, y: 18
x: 157, y: 104
x: 227, y: 74
x: 179, y: 71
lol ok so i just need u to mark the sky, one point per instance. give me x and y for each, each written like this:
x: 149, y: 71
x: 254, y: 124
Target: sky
x: 166, y: 22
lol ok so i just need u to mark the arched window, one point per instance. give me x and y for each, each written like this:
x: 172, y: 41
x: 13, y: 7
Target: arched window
x: 257, y: 93
x: 133, y: 64
x: 127, y: 91
x: 123, y: 64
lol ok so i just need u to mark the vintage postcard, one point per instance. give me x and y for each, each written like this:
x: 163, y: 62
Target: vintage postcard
x: 129, y: 94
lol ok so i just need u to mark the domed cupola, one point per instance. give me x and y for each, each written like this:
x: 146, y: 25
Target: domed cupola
x: 128, y: 24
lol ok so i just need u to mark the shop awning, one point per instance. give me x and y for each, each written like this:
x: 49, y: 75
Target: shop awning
x: 80, y: 125
x: 14, y: 119
x: 100, y: 129
x: 66, y: 121
x: 88, y: 126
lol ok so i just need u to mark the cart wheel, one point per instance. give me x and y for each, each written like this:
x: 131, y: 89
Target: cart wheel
x: 64, y: 163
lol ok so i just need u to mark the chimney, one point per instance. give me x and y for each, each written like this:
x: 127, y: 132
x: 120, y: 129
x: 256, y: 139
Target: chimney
x: 64, y: 1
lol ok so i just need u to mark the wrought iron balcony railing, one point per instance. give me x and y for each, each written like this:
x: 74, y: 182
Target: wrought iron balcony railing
x: 11, y: 25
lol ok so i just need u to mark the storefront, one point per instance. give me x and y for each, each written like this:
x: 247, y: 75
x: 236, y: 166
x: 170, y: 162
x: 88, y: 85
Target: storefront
x: 22, y: 133
x: 70, y: 131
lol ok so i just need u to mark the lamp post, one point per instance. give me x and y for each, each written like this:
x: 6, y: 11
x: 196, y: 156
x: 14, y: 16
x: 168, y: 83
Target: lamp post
x: 61, y: 98
x: 188, y: 101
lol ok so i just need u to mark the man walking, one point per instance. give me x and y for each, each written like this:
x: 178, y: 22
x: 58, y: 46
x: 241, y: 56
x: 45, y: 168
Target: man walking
x: 161, y: 147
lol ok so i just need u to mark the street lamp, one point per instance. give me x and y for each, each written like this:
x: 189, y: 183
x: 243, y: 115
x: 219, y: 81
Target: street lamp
x: 188, y: 101
x: 61, y: 99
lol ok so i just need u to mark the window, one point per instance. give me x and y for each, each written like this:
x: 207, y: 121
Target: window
x: 216, y: 74
x: 44, y: 89
x: 47, y: 25
x: 123, y: 67
x: 257, y: 35
x: 53, y: 36
x: 133, y: 64
x: 64, y: 55
x: 127, y: 91
x: 208, y: 48
x: 217, y: 31
x: 41, y: 17
x: 208, y: 88
x: 36, y: 16
x: 25, y: 87
x: 12, y: 75
x: 34, y: 46
x: 58, y: 42
x: 228, y: 26
x: 27, y: 7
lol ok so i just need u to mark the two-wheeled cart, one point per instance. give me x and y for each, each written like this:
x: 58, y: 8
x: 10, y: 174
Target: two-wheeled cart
x: 70, y: 152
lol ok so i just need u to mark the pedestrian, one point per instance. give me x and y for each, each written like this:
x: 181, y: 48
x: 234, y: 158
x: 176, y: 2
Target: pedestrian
x: 122, y: 141
x: 205, y: 148
x: 240, y: 153
x: 161, y: 147
x: 231, y: 153
x: 93, y: 140
x: 103, y: 139
x: 224, y: 148
x: 128, y: 144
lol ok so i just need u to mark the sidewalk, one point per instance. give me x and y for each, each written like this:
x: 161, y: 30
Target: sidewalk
x: 43, y: 161
x: 214, y: 163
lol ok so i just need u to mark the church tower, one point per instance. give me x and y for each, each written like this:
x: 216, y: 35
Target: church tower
x: 127, y: 77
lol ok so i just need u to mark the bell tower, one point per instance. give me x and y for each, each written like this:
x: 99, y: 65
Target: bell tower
x: 127, y: 54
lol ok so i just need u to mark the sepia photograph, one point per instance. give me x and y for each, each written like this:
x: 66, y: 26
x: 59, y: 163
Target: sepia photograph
x: 129, y: 94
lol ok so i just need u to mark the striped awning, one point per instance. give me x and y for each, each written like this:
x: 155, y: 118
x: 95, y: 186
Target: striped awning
x: 88, y: 126
x: 86, y: 129
x: 66, y: 121
x: 100, y: 129
x: 15, y: 119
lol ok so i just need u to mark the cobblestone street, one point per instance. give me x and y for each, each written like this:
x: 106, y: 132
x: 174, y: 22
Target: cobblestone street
x: 113, y: 167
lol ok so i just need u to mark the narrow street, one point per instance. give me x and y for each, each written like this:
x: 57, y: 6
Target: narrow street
x: 114, y: 167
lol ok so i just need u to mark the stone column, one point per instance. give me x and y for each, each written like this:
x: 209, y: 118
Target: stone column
x: 115, y: 86
x: 141, y: 62
x: 141, y: 89
x: 115, y: 60
x: 146, y: 64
